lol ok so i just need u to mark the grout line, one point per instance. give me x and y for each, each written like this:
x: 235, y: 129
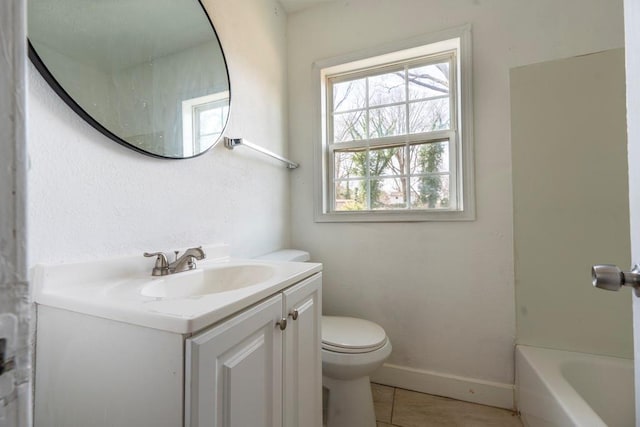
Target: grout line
x: 393, y: 405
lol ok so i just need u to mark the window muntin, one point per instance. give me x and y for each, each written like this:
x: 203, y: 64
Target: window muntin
x: 392, y: 134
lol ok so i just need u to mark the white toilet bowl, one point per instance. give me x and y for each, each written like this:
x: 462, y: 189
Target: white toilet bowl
x: 351, y: 350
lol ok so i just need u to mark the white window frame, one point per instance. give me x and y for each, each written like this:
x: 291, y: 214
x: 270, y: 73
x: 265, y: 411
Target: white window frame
x: 460, y: 135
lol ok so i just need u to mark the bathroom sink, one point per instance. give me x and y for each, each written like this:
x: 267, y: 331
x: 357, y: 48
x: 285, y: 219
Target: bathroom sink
x: 208, y: 281
x: 122, y: 288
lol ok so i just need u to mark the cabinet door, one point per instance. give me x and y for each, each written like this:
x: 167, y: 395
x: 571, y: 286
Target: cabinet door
x: 302, y: 358
x: 234, y: 371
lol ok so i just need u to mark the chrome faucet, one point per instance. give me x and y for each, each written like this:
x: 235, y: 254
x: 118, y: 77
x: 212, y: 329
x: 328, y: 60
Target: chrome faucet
x: 187, y: 261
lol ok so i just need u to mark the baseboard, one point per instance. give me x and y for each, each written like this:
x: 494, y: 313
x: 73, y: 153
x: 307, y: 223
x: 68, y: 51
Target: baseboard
x: 461, y: 388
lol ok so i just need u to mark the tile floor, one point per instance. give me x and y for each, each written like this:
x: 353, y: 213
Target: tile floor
x: 404, y: 408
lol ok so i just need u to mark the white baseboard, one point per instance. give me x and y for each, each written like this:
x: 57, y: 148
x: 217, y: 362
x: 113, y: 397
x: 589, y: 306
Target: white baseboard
x: 461, y: 388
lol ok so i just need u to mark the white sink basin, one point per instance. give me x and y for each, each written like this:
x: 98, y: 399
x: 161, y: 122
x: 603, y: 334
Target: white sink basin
x: 122, y: 288
x: 207, y: 281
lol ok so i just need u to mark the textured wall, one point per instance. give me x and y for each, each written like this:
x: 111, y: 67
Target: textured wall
x: 90, y: 197
x: 444, y: 292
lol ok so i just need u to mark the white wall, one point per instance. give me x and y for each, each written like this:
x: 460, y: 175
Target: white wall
x: 444, y: 292
x: 570, y: 197
x: 89, y: 197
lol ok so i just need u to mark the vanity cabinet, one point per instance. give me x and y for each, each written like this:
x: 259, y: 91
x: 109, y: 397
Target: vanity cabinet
x: 243, y: 371
x: 302, y: 355
x: 261, y: 367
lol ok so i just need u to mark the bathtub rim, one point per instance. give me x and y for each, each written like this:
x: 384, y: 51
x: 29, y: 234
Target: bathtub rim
x: 546, y: 365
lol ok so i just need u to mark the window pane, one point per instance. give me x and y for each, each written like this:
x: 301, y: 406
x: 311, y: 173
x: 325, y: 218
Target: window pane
x: 350, y: 164
x: 430, y: 192
x: 428, y: 116
x: 388, y: 193
x: 349, y: 126
x: 429, y: 158
x: 351, y: 195
x: 211, y: 121
x: 206, y: 141
x: 387, y: 161
x: 428, y: 81
x: 387, y: 121
x: 387, y: 88
x: 349, y: 95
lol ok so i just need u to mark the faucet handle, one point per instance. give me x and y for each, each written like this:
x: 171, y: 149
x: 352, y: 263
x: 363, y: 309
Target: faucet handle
x: 162, y: 264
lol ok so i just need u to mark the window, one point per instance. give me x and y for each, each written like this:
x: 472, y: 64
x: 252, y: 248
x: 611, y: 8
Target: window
x: 203, y: 121
x: 396, y: 133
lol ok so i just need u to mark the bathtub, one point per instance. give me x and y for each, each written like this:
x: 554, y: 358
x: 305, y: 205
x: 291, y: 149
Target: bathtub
x: 562, y: 388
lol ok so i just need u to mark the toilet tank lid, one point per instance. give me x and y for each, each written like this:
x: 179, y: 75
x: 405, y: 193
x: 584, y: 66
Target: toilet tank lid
x: 286, y: 255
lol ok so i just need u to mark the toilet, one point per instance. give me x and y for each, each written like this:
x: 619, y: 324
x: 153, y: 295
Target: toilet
x: 351, y: 350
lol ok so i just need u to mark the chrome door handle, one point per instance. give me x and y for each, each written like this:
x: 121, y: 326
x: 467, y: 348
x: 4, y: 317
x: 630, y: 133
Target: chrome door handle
x: 611, y: 278
x: 294, y: 314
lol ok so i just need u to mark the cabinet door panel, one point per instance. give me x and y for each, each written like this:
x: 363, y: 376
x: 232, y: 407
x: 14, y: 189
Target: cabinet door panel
x: 302, y: 357
x: 234, y: 371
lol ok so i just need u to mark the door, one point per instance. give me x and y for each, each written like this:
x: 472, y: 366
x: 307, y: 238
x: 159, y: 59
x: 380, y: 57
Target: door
x: 302, y: 357
x: 632, y: 52
x: 233, y: 372
x: 15, y: 345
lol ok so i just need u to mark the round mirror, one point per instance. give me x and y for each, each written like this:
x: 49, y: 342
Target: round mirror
x: 149, y: 74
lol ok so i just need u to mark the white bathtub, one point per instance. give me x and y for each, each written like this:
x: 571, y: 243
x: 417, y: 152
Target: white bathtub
x: 562, y: 388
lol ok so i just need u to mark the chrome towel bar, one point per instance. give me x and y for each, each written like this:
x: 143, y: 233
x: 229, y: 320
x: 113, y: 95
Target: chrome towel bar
x: 230, y: 143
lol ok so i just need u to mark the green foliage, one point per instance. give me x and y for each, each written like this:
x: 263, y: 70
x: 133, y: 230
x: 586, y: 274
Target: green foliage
x: 378, y: 161
x: 430, y: 158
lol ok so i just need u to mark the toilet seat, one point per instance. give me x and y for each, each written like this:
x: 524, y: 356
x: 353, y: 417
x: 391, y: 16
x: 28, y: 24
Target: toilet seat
x: 351, y: 335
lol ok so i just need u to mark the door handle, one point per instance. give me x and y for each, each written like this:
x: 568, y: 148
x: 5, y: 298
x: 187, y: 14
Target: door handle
x: 611, y: 278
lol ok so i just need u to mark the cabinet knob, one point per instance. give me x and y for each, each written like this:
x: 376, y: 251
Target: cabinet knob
x: 282, y: 323
x: 294, y: 314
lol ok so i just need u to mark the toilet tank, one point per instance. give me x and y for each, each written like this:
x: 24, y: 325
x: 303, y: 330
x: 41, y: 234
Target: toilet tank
x: 286, y: 255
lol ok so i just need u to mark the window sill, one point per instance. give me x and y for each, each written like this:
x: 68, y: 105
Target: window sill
x: 395, y: 216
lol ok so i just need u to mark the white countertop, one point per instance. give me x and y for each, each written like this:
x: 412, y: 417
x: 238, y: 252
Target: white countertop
x: 111, y: 289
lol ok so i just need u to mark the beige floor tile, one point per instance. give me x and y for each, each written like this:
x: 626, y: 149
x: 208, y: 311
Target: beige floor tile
x: 382, y: 401
x: 413, y: 409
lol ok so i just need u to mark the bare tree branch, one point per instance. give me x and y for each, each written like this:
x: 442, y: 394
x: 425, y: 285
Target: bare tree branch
x: 431, y: 84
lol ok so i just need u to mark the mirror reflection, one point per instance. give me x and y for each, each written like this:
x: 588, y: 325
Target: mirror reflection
x: 149, y: 74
